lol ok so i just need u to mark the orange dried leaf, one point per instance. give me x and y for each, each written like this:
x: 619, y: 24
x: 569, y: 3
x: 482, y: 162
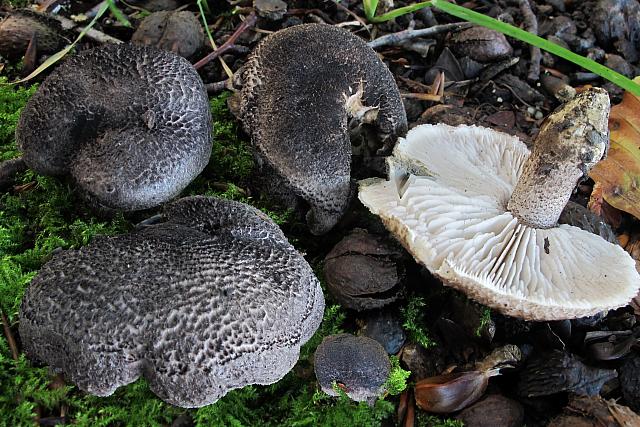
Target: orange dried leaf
x: 619, y: 174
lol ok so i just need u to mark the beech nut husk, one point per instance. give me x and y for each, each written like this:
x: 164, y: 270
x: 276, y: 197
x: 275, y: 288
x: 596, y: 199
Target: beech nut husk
x: 451, y: 392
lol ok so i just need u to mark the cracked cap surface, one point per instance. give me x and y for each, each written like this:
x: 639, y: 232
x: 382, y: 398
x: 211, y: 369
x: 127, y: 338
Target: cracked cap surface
x: 213, y: 299
x: 130, y: 124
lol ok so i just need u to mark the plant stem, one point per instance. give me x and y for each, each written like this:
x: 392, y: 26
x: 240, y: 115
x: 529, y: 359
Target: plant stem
x: 247, y: 23
x: 395, y: 38
x: 10, y: 340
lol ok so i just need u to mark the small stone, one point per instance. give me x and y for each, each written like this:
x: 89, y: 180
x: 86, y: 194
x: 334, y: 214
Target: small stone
x: 273, y: 10
x: 158, y: 5
x: 481, y: 44
x: 384, y: 327
x: 560, y: 26
x: 539, y: 115
x: 17, y: 29
x: 630, y: 382
x: 579, y: 216
x: 493, y: 410
x: 596, y: 54
x: 179, y: 32
x: 619, y: 64
x: 422, y: 362
x: 559, y: 371
x: 617, y: 22
x: 522, y: 88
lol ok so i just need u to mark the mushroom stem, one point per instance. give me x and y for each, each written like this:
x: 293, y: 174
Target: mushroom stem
x: 571, y: 141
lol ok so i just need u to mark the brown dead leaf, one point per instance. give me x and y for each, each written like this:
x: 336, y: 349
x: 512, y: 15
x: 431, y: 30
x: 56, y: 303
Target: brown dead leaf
x: 619, y: 174
x: 599, y: 206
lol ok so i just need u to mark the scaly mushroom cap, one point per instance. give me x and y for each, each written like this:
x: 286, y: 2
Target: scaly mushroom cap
x: 446, y: 202
x: 130, y: 124
x: 301, y: 85
x: 213, y: 299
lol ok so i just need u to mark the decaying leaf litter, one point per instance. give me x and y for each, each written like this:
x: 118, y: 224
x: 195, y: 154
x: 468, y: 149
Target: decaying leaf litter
x: 447, y: 72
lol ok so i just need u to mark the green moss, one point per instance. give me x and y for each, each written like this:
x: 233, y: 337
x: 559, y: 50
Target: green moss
x: 231, y: 158
x: 414, y: 324
x: 485, y: 320
x: 332, y: 321
x: 47, y: 215
x: 425, y: 420
x: 12, y: 101
x: 24, y: 389
x: 397, y: 381
x: 16, y: 3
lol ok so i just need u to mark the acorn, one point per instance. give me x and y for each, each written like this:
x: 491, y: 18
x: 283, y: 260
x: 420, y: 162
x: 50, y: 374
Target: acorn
x: 451, y: 392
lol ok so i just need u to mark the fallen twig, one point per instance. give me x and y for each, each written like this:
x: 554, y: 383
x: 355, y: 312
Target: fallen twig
x: 246, y: 24
x: 531, y: 25
x: 422, y: 96
x: 10, y: 340
x: 317, y: 12
x: 95, y: 35
x: 217, y: 87
x: 353, y: 15
x: 399, y: 37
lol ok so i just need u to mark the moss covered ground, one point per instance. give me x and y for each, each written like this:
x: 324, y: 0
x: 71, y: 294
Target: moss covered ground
x: 41, y: 214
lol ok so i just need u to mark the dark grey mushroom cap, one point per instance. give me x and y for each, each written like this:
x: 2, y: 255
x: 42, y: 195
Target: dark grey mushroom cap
x: 130, y: 124
x: 213, y: 299
x: 294, y: 106
x: 359, y: 365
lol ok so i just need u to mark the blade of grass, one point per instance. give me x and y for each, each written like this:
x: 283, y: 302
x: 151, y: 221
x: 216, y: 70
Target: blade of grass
x: 370, y: 7
x: 117, y: 13
x: 517, y: 33
x: 226, y: 68
x: 58, y: 55
x: 399, y: 12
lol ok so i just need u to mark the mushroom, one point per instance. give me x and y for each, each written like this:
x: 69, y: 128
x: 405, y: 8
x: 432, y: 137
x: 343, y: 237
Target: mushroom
x: 299, y: 94
x: 130, y: 124
x: 210, y: 300
x: 357, y: 365
x: 480, y: 212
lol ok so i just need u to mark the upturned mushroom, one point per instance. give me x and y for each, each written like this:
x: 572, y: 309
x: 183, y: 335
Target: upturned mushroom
x: 130, y: 124
x: 479, y: 211
x: 299, y: 94
x: 210, y: 300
